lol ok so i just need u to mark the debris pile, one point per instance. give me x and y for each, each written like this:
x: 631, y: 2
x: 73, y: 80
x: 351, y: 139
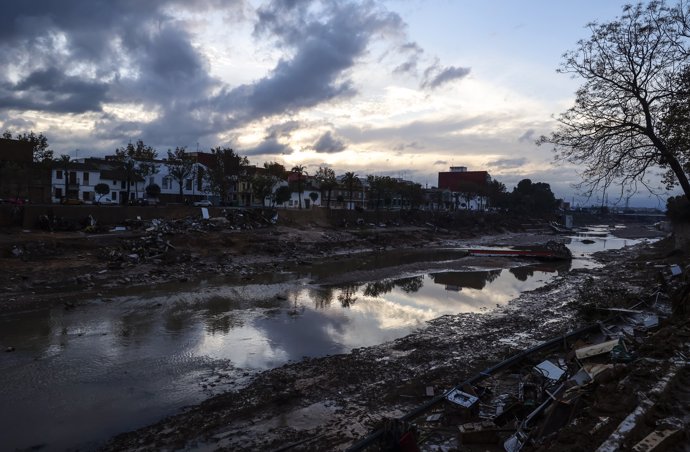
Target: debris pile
x: 230, y: 219
x: 526, y: 400
x: 152, y: 248
x: 559, y: 249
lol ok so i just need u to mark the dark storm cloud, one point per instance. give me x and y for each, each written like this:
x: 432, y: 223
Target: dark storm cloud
x: 324, y: 41
x: 170, y: 68
x: 270, y: 146
x: 72, y: 56
x: 14, y: 123
x: 111, y: 129
x: 435, y: 76
x: 284, y: 129
x: 329, y: 144
x: 508, y: 163
x: 75, y: 56
x: 52, y: 90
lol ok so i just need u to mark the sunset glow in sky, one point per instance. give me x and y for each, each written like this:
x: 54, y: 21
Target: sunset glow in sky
x: 404, y: 88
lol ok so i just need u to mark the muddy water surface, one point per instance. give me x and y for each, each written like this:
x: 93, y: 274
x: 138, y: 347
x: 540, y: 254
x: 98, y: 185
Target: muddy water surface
x: 79, y: 376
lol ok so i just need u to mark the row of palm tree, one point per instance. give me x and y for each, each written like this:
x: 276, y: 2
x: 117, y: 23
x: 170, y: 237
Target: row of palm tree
x: 327, y: 181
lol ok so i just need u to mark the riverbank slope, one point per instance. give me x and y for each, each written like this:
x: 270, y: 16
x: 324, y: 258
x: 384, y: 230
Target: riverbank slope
x: 328, y: 403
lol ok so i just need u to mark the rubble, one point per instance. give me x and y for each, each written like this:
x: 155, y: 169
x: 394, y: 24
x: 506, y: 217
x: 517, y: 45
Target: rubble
x: 541, y: 398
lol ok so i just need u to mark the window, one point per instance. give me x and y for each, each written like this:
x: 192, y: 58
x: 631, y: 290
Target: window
x: 86, y: 178
x: 58, y: 174
x: 188, y: 184
x: 114, y: 182
x: 166, y: 183
x: 87, y: 194
x: 152, y: 180
x: 113, y: 195
x: 123, y: 184
x: 58, y: 192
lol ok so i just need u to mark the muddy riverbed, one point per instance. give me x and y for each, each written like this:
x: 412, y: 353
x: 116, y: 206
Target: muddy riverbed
x: 281, y: 353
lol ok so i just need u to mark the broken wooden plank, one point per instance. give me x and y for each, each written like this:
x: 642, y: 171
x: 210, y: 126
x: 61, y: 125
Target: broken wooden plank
x: 596, y: 349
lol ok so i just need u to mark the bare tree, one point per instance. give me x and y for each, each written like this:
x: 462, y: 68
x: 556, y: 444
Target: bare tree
x: 224, y: 172
x: 180, y: 167
x: 630, y: 68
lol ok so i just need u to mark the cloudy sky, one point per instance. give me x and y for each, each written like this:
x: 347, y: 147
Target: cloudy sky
x: 399, y: 87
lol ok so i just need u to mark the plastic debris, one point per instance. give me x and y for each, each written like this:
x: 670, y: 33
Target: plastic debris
x: 675, y: 270
x: 462, y: 398
x: 596, y: 349
x: 550, y: 370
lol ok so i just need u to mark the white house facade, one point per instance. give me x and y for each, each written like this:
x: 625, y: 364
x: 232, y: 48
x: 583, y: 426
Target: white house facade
x: 78, y: 179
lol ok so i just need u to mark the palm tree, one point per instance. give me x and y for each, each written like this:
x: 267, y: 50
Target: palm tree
x: 350, y: 180
x: 327, y: 182
x: 299, y: 171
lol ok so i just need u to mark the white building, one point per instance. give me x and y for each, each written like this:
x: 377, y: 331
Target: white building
x: 78, y: 179
x: 75, y: 180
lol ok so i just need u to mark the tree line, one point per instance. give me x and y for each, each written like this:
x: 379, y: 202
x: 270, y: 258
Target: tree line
x: 138, y: 161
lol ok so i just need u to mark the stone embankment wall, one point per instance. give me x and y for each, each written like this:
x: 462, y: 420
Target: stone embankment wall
x: 27, y: 216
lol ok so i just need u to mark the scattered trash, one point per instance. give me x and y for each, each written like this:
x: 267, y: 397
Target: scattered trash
x: 462, y: 398
x: 675, y: 270
x: 620, y: 353
x: 550, y: 370
x: 434, y: 417
x: 593, y: 370
x: 581, y: 378
x: 515, y: 442
x: 485, y: 432
x: 520, y: 403
x: 596, y: 349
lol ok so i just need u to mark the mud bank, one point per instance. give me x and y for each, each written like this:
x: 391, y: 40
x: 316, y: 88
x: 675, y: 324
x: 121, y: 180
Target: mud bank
x: 328, y: 403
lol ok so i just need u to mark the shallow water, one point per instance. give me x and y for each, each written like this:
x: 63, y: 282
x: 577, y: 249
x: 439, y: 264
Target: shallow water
x: 79, y: 376
x: 602, y: 240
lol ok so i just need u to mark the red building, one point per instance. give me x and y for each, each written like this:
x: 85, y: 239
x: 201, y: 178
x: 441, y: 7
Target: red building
x: 458, y: 178
x: 466, y: 189
x: 22, y: 178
